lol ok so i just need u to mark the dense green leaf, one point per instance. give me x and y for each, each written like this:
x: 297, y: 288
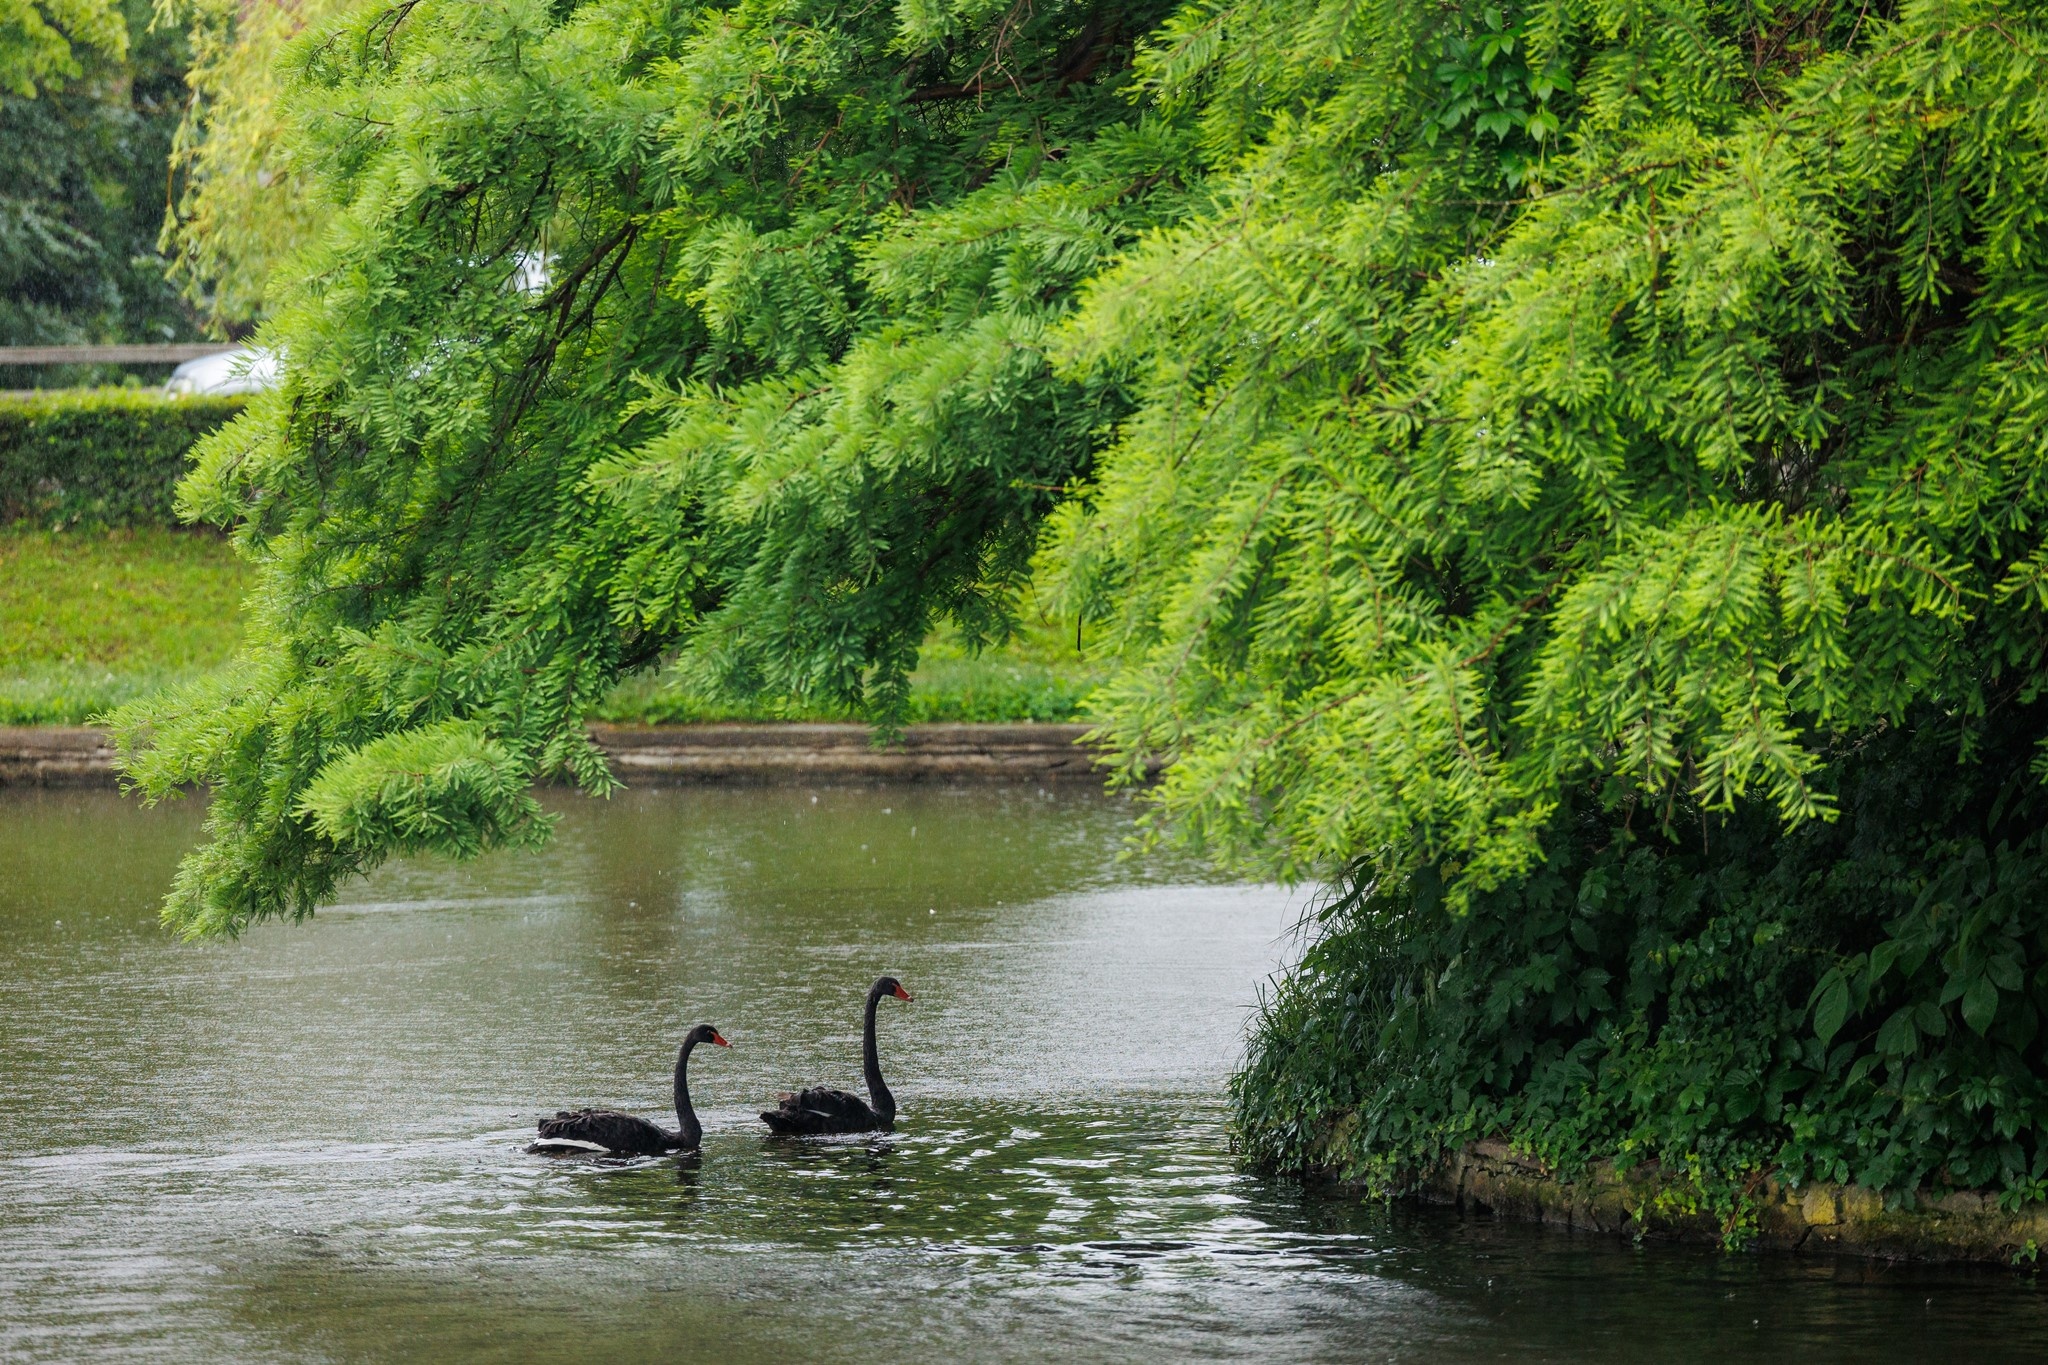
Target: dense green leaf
x: 1830, y: 1006
x: 1980, y: 1003
x: 1899, y: 1036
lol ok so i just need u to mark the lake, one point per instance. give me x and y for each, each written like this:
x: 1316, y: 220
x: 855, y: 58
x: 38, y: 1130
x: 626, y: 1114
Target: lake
x: 309, y: 1144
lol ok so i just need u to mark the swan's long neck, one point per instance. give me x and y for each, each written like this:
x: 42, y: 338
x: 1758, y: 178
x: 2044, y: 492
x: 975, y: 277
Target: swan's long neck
x: 871, y: 1065
x: 687, y: 1127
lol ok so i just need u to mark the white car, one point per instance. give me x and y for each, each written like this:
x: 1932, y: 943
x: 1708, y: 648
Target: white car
x: 246, y: 369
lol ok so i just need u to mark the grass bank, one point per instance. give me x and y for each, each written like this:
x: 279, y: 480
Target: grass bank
x: 1037, y: 676
x: 91, y: 619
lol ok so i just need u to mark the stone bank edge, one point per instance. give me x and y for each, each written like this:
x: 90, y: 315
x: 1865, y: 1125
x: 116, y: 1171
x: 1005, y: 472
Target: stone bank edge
x: 1648, y: 1202
x: 666, y: 755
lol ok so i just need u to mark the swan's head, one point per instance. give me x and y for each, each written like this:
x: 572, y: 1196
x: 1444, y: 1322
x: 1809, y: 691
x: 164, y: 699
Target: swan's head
x: 704, y: 1033
x: 889, y: 985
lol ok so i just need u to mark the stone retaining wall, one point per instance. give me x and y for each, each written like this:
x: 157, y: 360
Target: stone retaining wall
x: 55, y: 756
x: 78, y: 756
x: 1490, y: 1177
x: 660, y: 754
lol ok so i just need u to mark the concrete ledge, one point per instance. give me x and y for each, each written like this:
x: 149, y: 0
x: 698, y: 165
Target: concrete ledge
x: 1490, y: 1177
x: 78, y: 756
x: 765, y: 754
x: 55, y: 756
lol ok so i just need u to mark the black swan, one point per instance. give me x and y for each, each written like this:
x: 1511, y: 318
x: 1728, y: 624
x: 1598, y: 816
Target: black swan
x: 819, y: 1111
x: 602, y: 1130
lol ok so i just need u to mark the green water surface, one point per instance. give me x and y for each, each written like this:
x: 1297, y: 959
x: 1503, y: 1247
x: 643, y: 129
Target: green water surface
x: 308, y: 1145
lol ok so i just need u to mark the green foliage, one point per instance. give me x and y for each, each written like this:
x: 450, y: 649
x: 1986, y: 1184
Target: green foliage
x: 443, y: 787
x: 1487, y: 78
x: 99, y: 457
x: 1472, y: 430
x: 39, y: 41
x: 1647, y: 496
x: 242, y: 207
x: 82, y: 194
x: 782, y: 401
x: 1859, y: 1001
x: 1443, y: 500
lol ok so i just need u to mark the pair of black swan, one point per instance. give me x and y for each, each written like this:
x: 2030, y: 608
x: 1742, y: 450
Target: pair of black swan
x: 816, y: 1112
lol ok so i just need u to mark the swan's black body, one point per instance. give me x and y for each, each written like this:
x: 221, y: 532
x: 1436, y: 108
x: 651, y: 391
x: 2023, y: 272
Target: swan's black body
x: 819, y: 1111
x: 606, y: 1130
x: 626, y: 1134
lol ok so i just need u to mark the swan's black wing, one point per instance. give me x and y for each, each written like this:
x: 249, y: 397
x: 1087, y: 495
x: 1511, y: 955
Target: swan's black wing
x: 613, y: 1132
x: 819, y: 1111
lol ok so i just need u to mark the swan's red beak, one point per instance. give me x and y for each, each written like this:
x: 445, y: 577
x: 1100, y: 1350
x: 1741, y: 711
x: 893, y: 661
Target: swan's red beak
x: 902, y: 994
x: 719, y: 1038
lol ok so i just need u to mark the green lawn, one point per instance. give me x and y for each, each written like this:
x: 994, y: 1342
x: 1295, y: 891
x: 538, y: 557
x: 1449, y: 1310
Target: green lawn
x: 89, y: 620
x: 1037, y: 676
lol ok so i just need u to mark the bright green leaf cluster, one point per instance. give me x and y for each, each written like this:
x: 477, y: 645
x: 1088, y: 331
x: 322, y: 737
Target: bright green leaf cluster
x: 1556, y: 469
x: 640, y: 331
x: 39, y: 41
x: 1454, y: 485
x: 1501, y: 446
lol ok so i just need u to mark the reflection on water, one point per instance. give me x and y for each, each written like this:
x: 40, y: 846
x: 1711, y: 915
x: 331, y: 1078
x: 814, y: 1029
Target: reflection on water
x: 307, y: 1145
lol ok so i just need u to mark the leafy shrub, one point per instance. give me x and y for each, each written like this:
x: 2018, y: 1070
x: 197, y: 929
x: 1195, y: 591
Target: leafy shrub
x: 1856, y: 1001
x: 99, y: 457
